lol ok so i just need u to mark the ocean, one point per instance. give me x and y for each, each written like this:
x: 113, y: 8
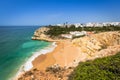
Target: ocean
x: 16, y: 47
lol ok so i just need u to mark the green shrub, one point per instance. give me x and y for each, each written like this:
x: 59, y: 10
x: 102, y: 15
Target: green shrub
x: 107, y: 68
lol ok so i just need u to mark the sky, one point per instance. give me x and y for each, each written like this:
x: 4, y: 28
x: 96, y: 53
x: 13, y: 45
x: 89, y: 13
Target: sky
x: 45, y: 12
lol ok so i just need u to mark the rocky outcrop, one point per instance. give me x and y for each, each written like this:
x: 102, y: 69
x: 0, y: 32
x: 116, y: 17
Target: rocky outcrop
x: 95, y: 43
x: 46, y: 75
x: 40, y: 34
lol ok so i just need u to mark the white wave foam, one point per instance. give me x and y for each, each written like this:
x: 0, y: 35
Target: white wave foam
x: 28, y: 65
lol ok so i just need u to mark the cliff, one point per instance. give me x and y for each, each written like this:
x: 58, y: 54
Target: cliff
x: 39, y: 34
x: 99, y: 45
x: 92, y: 46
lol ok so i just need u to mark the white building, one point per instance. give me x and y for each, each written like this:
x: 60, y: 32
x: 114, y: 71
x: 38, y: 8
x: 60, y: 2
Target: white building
x: 68, y: 36
x: 78, y: 33
x: 59, y: 24
x: 90, y: 24
x: 115, y: 23
x: 98, y: 25
x: 77, y: 25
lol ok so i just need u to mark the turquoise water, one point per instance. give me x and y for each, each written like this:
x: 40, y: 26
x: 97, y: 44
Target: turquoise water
x: 16, y: 47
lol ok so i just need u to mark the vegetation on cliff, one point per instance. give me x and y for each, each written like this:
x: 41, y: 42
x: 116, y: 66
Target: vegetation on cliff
x: 55, y: 32
x: 58, y: 30
x: 107, y: 68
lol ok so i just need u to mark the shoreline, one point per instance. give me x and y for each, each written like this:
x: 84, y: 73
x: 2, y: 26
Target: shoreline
x: 58, y: 56
x: 28, y: 64
x: 69, y: 53
x: 63, y: 49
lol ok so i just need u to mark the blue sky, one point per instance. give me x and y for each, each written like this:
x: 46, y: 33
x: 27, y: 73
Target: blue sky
x: 44, y: 12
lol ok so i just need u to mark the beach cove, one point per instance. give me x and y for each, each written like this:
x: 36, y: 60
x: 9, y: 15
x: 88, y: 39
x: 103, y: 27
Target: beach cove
x: 62, y: 55
x: 68, y: 53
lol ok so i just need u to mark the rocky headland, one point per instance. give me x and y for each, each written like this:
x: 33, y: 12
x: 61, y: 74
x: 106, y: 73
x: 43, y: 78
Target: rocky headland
x: 40, y: 34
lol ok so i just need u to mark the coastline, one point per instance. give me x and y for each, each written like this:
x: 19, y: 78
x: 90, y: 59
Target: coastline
x: 28, y: 64
x: 69, y: 53
x: 61, y: 55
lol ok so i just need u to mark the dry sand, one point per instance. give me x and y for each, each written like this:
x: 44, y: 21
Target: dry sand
x: 64, y: 55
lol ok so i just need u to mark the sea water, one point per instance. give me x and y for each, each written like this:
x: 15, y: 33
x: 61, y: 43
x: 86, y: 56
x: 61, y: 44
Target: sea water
x: 16, y: 47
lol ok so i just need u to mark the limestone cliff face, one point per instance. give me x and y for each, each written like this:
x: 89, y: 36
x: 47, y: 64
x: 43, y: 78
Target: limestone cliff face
x: 96, y: 43
x: 39, y: 34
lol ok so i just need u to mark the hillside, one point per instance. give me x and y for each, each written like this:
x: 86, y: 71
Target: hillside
x: 99, y: 45
x: 53, y: 33
x: 107, y: 68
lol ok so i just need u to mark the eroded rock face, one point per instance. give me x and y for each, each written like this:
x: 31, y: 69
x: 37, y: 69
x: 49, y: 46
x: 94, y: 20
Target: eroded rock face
x: 43, y: 75
x: 39, y: 34
x: 97, y: 42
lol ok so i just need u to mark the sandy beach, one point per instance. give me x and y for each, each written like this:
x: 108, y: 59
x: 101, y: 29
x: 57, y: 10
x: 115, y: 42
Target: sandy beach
x: 61, y: 55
